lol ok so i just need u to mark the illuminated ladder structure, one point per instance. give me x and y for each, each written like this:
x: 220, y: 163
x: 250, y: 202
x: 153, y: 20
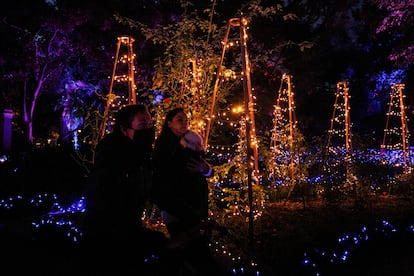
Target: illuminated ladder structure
x: 250, y: 128
x: 339, y: 141
x: 396, y: 134
x: 283, y: 133
x: 122, y: 90
x: 251, y: 139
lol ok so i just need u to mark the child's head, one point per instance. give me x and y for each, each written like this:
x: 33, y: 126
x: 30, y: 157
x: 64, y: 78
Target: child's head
x: 192, y: 141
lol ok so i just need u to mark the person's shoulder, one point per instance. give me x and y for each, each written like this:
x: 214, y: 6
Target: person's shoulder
x: 113, y: 137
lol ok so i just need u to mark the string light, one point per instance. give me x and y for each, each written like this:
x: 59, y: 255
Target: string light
x: 339, y: 141
x: 318, y: 261
x: 123, y: 74
x: 396, y: 135
x: 284, y: 142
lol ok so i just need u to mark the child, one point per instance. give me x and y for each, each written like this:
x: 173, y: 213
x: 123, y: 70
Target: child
x: 192, y: 141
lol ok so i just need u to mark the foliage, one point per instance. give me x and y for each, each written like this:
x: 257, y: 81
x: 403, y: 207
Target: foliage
x: 48, y: 48
x: 82, y: 107
x: 403, y: 184
x: 398, y: 20
x: 185, y: 71
x: 43, y: 53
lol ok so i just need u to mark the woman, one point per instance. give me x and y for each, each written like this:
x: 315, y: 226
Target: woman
x: 180, y: 187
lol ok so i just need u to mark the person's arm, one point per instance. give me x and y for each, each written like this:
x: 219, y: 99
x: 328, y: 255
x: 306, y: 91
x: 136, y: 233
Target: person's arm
x: 199, y: 165
x: 209, y: 172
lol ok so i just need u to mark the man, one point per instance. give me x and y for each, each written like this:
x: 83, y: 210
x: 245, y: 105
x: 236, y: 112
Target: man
x: 118, y: 189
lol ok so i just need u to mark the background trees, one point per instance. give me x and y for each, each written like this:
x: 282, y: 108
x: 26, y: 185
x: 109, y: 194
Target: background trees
x: 59, y: 53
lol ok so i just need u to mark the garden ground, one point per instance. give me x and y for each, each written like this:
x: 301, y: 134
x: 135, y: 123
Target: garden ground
x: 377, y: 240
x: 290, y: 238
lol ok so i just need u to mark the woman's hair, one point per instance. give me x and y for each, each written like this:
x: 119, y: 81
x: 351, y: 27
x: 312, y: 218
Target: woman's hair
x: 169, y: 117
x: 126, y: 115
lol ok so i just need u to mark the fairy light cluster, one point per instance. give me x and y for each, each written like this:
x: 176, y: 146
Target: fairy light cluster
x: 283, y: 140
x: 319, y: 261
x: 56, y: 214
x: 62, y: 217
x: 10, y: 202
x: 227, y: 189
x: 241, y: 265
x: 220, y: 153
x: 339, y: 142
x: 340, y: 133
x: 396, y: 134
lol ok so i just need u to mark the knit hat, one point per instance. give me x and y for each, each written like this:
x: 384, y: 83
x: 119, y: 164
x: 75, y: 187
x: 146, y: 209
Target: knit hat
x: 192, y: 140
